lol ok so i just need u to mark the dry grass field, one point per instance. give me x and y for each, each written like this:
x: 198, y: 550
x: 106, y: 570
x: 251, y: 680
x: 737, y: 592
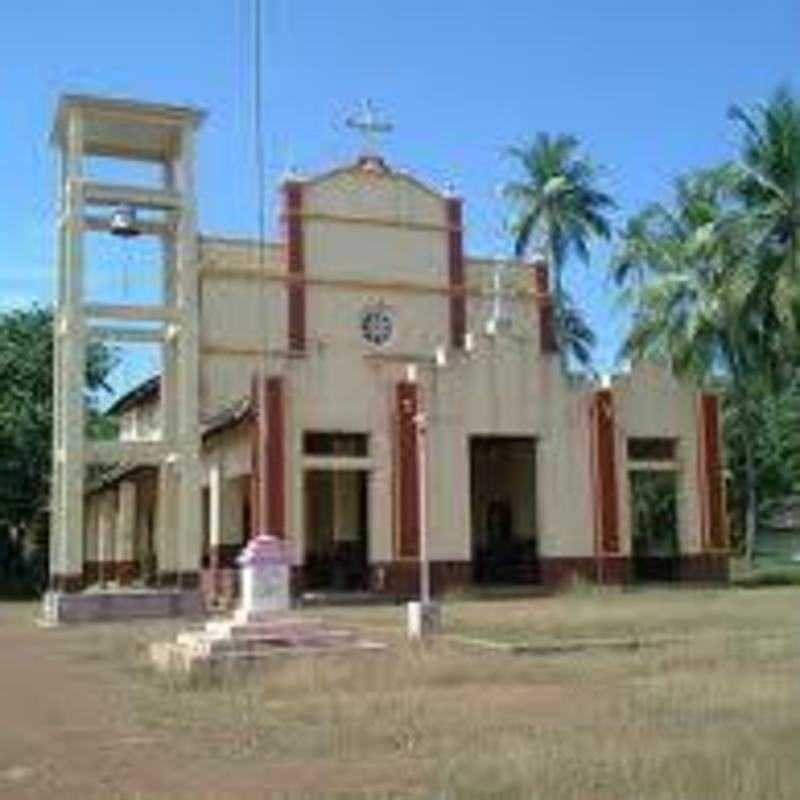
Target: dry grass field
x: 655, y: 694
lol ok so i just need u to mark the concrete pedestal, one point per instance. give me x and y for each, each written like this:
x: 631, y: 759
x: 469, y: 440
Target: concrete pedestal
x: 265, y: 573
x: 423, y: 619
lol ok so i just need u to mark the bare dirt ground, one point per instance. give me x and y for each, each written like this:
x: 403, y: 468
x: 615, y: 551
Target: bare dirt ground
x: 70, y: 728
x: 704, y: 704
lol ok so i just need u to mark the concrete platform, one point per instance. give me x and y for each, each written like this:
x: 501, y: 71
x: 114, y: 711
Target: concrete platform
x: 119, y: 605
x: 232, y: 641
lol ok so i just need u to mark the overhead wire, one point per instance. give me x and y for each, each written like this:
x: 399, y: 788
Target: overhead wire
x: 259, y: 160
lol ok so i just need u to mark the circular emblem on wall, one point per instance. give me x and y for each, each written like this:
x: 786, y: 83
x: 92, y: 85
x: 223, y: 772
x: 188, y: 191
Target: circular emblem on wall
x: 377, y: 324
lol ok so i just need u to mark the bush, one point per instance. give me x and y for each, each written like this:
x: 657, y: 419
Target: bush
x: 23, y: 570
x: 769, y: 575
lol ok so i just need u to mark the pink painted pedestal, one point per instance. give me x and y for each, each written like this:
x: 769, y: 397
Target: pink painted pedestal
x: 261, y: 626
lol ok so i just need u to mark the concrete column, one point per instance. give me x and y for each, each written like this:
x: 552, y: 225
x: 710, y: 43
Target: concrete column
x: 90, y: 549
x: 216, y: 515
x: 188, y: 388
x: 106, y: 524
x: 233, y: 533
x: 166, y: 533
x: 126, y: 532
x: 68, y: 501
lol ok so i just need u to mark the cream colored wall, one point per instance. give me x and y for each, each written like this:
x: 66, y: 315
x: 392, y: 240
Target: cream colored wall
x: 345, y: 384
x: 506, y: 388
x: 360, y: 193
x: 243, y: 312
x: 232, y: 449
x: 421, y: 321
x: 229, y: 451
x: 651, y: 402
x: 141, y: 422
x: 357, y: 251
x: 146, y: 507
x: 91, y: 527
x: 342, y: 391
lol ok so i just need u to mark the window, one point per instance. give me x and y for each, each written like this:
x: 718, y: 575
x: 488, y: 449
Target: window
x: 377, y: 324
x: 330, y: 443
x: 643, y: 449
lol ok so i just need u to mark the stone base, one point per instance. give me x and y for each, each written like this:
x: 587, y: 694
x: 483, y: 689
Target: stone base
x: 67, y: 583
x: 113, y: 606
x: 706, y: 568
x: 423, y: 619
x: 401, y: 578
x: 183, y: 581
x: 560, y: 572
x: 252, y: 637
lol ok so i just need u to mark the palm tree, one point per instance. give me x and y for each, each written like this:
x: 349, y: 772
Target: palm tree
x: 578, y: 338
x: 559, y: 210
x: 688, y: 271
x: 769, y: 187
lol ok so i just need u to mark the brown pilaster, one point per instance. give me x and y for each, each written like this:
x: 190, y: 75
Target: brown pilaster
x: 127, y: 572
x: 548, y: 343
x: 295, y: 264
x: 455, y: 260
x: 276, y: 458
x: 714, y: 532
x: 268, y: 451
x: 407, y: 471
x: 606, y: 503
x: 257, y: 442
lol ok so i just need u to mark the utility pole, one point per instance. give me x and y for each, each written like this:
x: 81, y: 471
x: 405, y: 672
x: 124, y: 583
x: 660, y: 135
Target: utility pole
x: 423, y: 615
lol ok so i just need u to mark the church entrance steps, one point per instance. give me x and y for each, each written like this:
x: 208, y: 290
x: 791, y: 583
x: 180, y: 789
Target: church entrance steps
x: 244, y: 640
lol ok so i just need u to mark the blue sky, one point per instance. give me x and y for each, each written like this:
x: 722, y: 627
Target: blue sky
x: 644, y: 85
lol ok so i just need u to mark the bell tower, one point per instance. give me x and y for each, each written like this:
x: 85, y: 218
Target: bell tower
x: 90, y: 129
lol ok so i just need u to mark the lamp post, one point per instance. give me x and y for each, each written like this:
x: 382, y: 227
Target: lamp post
x: 421, y: 431
x: 424, y: 616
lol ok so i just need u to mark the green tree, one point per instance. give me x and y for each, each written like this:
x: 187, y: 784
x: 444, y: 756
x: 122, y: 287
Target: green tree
x: 768, y: 183
x: 776, y: 446
x: 558, y: 210
x: 26, y: 415
x: 689, y: 271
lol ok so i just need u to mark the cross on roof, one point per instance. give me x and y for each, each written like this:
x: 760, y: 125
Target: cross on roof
x: 368, y: 122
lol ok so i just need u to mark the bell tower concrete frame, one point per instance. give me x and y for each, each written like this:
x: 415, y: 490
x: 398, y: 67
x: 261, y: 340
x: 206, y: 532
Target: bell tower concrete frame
x: 164, y: 135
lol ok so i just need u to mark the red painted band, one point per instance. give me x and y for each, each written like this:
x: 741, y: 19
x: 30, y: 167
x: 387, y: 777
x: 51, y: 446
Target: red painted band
x: 295, y: 264
x: 711, y: 480
x: 606, y: 500
x: 276, y: 457
x: 407, y: 477
x: 455, y: 262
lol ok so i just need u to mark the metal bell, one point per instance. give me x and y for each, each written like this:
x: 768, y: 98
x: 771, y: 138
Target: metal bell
x: 123, y: 222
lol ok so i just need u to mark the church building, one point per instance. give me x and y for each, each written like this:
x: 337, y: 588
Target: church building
x: 365, y: 382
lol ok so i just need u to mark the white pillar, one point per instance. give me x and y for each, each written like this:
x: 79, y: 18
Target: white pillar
x: 106, y: 524
x: 188, y: 388
x: 70, y: 355
x: 126, y: 531
x: 166, y: 533
x: 216, y: 497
